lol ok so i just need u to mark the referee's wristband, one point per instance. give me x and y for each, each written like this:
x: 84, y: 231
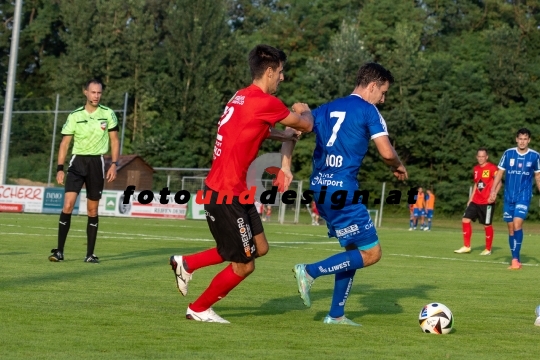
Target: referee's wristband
x: 59, y: 167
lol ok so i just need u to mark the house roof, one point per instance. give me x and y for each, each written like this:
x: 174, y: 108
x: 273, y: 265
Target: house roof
x: 124, y: 160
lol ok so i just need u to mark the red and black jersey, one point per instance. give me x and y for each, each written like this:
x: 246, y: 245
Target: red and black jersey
x: 244, y: 125
x: 483, y: 177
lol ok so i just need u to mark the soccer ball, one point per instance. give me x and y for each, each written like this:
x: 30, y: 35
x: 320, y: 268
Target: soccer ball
x: 435, y: 318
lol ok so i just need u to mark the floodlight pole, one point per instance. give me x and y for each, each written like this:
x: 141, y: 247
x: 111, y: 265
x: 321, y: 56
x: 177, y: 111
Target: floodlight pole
x: 382, y: 203
x: 123, y: 123
x: 10, y: 91
x: 53, y: 139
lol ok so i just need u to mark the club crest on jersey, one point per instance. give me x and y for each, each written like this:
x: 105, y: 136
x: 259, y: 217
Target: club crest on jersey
x: 512, y: 162
x: 529, y: 164
x: 103, y: 125
x: 239, y: 99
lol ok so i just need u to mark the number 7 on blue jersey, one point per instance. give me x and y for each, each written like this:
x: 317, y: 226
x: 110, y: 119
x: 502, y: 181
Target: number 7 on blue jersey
x: 340, y: 115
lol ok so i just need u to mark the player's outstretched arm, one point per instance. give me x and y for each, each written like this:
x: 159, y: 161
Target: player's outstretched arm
x: 496, y: 186
x: 390, y: 157
x: 300, y: 118
x: 284, y: 135
x: 286, y: 161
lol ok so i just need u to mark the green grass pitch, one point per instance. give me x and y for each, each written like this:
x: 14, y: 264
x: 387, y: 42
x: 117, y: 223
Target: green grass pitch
x: 128, y: 307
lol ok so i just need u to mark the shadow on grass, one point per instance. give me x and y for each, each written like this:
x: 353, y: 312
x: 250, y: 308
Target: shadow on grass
x: 14, y: 253
x: 525, y: 259
x: 372, y: 301
x: 478, y: 249
x: 44, y: 273
x: 499, y: 253
x: 382, y: 301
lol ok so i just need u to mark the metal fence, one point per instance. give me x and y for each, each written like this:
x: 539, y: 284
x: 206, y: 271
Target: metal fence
x: 54, y: 129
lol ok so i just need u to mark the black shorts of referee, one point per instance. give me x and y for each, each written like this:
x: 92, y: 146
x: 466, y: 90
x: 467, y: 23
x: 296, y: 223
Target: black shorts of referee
x: 88, y: 170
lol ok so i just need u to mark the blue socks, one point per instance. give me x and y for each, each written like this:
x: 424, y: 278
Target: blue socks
x: 515, y: 244
x: 429, y: 224
x: 411, y: 223
x: 342, y: 287
x: 344, y: 266
x: 345, y: 261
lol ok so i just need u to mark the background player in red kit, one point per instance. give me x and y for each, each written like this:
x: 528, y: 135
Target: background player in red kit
x: 236, y: 227
x: 478, y: 206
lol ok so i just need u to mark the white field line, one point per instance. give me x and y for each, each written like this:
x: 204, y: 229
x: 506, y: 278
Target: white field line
x: 280, y: 244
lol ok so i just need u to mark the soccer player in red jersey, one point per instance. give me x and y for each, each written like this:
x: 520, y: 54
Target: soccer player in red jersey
x: 236, y: 227
x: 478, y: 206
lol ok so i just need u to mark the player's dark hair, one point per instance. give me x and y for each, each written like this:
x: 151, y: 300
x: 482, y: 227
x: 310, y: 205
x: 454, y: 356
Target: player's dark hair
x: 93, y: 81
x: 523, y: 131
x: 371, y: 72
x: 262, y: 57
x: 482, y: 148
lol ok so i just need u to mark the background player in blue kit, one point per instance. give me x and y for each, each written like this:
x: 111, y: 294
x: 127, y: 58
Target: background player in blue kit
x: 343, y: 130
x: 521, y: 164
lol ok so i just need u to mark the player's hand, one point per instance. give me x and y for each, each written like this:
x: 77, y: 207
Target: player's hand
x: 60, y: 177
x: 292, y: 134
x: 492, y: 198
x: 283, y: 179
x: 400, y: 172
x: 299, y: 108
x: 111, y: 174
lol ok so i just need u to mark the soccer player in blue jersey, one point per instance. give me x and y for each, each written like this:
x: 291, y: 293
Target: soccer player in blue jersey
x: 520, y: 164
x: 343, y: 130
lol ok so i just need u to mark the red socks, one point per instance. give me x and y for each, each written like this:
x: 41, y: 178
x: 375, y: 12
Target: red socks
x: 467, y: 232
x: 489, y: 236
x: 220, y: 286
x: 202, y: 259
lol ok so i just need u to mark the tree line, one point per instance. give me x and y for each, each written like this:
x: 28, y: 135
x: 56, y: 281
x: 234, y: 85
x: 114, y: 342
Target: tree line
x: 466, y: 74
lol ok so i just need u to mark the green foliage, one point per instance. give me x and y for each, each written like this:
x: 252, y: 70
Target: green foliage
x: 34, y: 166
x: 467, y: 73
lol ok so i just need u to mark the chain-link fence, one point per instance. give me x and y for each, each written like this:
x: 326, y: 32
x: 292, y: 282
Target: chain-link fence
x: 36, y: 126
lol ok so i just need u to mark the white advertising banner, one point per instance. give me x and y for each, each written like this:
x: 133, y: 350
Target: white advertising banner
x: 112, y: 204
x: 155, y: 209
x: 107, y: 204
x: 24, y: 198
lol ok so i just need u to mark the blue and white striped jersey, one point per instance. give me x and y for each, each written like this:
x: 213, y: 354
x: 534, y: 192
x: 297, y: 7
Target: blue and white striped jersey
x: 343, y: 130
x: 520, y: 169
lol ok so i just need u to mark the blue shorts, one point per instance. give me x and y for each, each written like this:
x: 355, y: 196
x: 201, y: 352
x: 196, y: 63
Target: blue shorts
x: 350, y: 225
x: 512, y: 210
x: 429, y: 214
x: 418, y: 212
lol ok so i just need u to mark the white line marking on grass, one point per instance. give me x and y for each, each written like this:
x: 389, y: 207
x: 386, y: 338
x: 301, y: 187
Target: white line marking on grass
x: 303, y: 242
x: 128, y: 237
x: 299, y: 234
x: 280, y: 244
x: 457, y: 259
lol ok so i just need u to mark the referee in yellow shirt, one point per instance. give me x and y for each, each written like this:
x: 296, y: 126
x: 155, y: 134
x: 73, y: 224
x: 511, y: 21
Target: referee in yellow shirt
x: 91, y: 127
